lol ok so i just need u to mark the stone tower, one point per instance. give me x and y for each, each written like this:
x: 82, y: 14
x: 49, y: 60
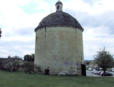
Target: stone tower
x: 59, y: 43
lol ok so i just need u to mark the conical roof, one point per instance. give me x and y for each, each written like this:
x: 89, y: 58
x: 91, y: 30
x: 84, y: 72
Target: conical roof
x: 59, y: 19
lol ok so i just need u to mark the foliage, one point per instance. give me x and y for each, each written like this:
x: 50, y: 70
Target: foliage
x: 28, y: 67
x: 0, y: 32
x: 12, y: 66
x: 11, y: 63
x: 87, y: 62
x: 29, y: 58
x: 29, y: 63
x: 104, y: 59
x: 19, y: 79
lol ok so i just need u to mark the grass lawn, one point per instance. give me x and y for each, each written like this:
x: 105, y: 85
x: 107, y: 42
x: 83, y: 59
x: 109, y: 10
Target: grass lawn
x: 19, y: 79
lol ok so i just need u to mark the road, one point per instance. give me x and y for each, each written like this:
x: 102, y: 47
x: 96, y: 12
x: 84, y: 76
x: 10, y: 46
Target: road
x: 89, y: 73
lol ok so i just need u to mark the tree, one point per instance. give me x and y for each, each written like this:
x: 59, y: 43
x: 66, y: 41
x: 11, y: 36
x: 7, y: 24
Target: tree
x: 87, y: 62
x: 29, y: 58
x: 28, y: 67
x: 104, y: 60
x: 0, y: 32
x: 29, y: 63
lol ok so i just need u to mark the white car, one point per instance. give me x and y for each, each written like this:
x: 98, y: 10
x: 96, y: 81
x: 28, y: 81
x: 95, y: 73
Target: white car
x: 112, y: 69
x: 96, y: 72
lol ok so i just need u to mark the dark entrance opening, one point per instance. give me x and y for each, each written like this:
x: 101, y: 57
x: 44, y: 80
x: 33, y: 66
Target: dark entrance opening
x: 47, y: 71
x: 83, y: 70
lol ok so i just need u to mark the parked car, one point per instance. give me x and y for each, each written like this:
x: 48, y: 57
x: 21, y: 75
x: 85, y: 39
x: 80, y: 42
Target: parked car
x: 106, y: 74
x: 96, y: 72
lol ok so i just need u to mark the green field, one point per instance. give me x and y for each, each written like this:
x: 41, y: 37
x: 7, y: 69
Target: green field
x: 19, y: 79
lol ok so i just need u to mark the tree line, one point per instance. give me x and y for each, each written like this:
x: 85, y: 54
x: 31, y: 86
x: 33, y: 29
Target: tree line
x: 103, y: 59
x: 15, y: 63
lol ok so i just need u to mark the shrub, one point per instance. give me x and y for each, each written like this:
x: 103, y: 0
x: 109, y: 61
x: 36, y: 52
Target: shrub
x: 28, y: 67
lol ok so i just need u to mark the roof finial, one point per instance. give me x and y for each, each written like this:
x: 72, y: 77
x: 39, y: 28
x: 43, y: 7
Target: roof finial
x: 59, y: 6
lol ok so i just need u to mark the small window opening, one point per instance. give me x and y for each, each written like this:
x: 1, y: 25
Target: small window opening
x: 58, y: 7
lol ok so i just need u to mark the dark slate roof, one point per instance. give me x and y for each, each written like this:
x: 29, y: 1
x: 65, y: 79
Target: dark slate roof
x: 59, y: 19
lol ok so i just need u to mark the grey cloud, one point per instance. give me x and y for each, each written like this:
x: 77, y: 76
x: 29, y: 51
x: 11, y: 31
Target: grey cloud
x: 106, y: 19
x: 16, y: 48
x: 90, y: 2
x: 25, y: 31
x: 15, y: 43
x: 92, y: 21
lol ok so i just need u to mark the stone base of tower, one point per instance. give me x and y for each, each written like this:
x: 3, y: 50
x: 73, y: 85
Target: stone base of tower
x: 61, y: 71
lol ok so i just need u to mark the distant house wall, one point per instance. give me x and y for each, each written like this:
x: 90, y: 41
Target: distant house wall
x: 60, y: 49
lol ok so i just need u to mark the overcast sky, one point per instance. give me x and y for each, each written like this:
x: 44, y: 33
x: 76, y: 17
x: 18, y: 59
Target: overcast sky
x: 19, y: 18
